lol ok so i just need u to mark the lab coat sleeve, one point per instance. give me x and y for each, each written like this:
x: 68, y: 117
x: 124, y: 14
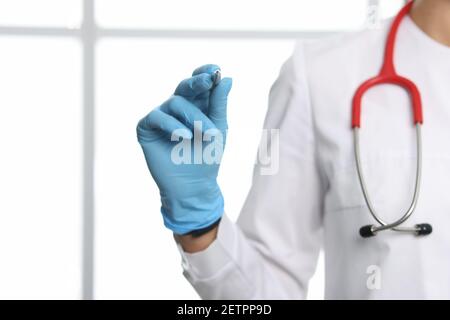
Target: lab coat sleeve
x: 272, y: 250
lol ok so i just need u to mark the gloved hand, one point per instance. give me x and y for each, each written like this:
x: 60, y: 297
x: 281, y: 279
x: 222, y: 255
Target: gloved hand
x: 190, y: 196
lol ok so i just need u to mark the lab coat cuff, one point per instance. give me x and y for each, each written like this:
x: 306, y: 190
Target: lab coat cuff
x: 211, y: 261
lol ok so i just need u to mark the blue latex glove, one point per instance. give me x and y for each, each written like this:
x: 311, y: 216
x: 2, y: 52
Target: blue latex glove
x: 190, y: 196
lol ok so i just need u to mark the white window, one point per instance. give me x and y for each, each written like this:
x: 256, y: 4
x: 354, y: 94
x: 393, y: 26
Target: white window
x: 76, y: 76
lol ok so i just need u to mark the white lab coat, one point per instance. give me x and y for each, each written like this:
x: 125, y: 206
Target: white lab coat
x: 315, y: 201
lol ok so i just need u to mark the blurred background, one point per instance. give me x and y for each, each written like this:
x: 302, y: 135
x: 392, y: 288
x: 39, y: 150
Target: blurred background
x: 79, y: 212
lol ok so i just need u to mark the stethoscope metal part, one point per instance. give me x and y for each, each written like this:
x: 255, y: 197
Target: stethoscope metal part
x: 371, y: 230
x: 217, y: 76
x: 388, y: 75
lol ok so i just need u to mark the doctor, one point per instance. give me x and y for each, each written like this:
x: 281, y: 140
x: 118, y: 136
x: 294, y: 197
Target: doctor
x: 315, y: 199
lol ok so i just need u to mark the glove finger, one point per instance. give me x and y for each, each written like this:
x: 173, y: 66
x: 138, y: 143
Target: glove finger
x: 206, y: 68
x: 218, y: 103
x: 187, y: 113
x: 158, y: 120
x: 194, y: 86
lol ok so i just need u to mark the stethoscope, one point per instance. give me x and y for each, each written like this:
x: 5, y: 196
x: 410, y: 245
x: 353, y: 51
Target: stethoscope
x: 388, y: 75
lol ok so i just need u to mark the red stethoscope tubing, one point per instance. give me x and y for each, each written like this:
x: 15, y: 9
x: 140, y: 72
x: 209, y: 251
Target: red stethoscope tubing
x: 388, y: 75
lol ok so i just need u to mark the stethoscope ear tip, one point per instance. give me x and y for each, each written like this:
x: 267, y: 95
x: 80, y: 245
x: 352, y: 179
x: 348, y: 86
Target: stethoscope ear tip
x: 424, y: 229
x: 367, y: 231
